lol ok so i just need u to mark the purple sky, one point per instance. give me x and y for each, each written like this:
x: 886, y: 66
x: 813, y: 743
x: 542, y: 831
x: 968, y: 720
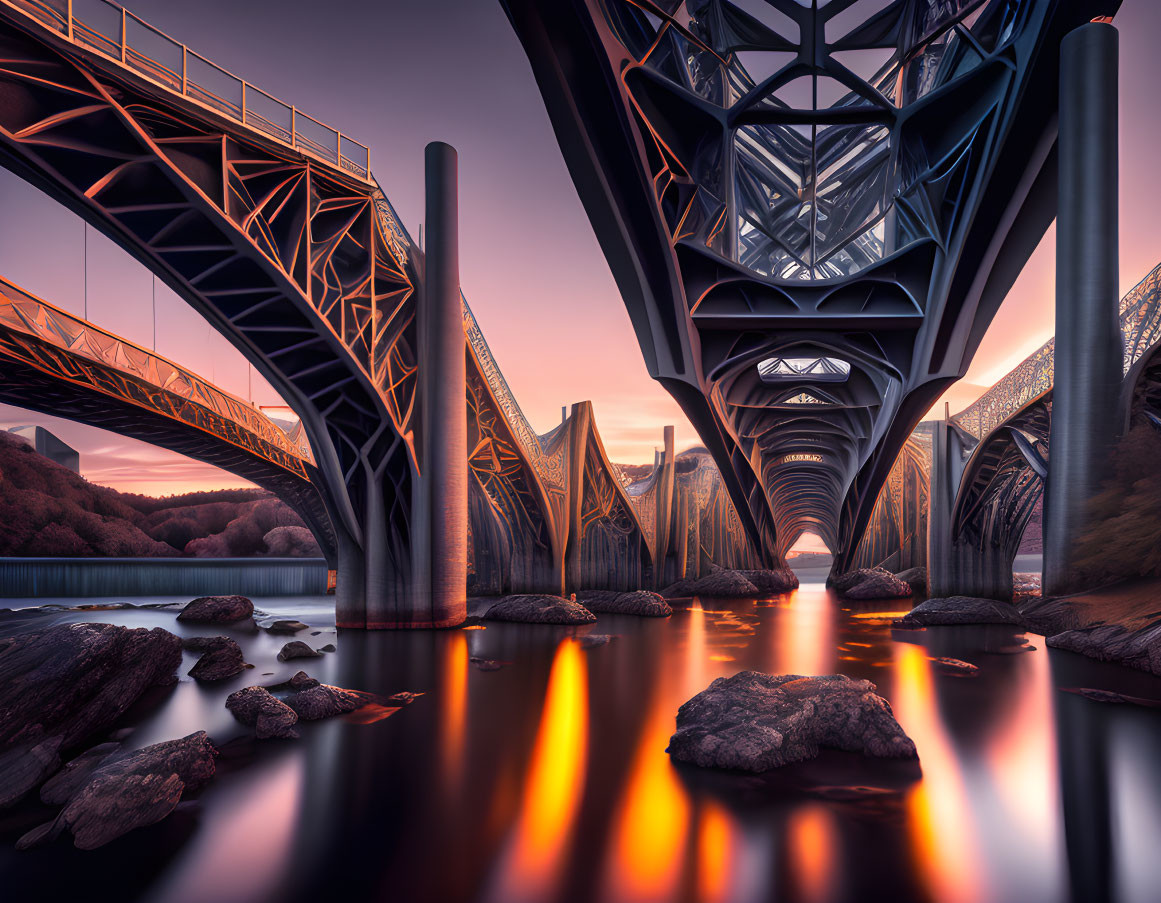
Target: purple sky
x: 398, y: 74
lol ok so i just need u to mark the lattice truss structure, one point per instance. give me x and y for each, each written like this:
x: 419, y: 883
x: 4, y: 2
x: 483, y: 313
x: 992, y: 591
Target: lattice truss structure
x: 896, y: 536
x: 1140, y: 313
x: 299, y: 262
x: 62, y: 365
x: 852, y: 180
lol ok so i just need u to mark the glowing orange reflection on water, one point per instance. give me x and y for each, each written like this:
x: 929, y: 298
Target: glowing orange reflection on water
x: 715, y: 847
x: 806, y: 638
x: 811, y: 840
x: 455, y: 710
x: 943, y: 841
x: 554, y: 786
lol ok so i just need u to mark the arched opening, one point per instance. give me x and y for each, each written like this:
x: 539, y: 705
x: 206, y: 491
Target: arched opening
x: 810, y: 558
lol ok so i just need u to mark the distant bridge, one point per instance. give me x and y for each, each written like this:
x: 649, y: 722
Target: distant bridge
x: 994, y: 455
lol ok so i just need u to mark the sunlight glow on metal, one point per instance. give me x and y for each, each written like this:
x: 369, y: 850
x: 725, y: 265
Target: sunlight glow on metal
x: 817, y: 369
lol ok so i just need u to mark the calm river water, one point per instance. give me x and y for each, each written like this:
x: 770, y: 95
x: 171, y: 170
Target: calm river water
x: 547, y: 780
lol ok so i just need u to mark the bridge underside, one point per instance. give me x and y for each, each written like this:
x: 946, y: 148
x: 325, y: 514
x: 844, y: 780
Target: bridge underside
x: 811, y: 217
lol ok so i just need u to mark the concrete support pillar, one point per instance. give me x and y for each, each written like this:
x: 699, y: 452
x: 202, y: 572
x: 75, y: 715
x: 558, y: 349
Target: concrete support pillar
x: 1088, y: 356
x: 440, y: 523
x: 578, y: 444
x: 350, y: 593
x: 663, y: 508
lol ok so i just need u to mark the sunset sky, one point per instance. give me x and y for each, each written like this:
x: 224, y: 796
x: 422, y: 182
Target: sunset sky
x: 396, y: 75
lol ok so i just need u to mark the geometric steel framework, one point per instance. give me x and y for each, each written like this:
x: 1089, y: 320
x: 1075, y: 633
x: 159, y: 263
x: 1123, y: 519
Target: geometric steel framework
x: 54, y: 362
x: 772, y: 180
x: 1004, y: 476
x: 273, y: 228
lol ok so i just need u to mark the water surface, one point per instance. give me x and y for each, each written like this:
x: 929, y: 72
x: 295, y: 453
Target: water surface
x: 547, y: 780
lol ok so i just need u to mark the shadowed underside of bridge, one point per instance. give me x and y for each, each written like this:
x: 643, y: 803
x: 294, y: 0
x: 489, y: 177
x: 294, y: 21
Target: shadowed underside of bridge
x: 812, y: 213
x: 1001, y: 447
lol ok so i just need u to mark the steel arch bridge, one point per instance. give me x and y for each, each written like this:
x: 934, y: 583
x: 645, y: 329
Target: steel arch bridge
x: 1003, y: 447
x: 812, y: 212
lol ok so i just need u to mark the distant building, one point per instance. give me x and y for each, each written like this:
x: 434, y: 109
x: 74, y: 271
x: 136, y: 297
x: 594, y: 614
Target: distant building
x: 50, y: 446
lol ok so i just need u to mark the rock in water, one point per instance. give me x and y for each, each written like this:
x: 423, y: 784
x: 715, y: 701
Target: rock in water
x: 222, y: 658
x: 960, y: 610
x: 323, y: 701
x: 954, y: 667
x: 871, y: 583
x: 286, y: 627
x: 916, y: 578
x: 131, y: 792
x: 297, y: 649
x: 540, y: 609
x: 772, y: 582
x: 24, y: 767
x: 302, y: 681
x: 217, y: 610
x: 73, y: 680
x: 268, y: 715
x: 1139, y: 649
x: 720, y: 583
x: 64, y: 785
x: 639, y: 602
x: 755, y: 722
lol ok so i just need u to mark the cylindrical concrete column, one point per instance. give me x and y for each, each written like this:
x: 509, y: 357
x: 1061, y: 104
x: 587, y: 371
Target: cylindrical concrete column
x: 1088, y: 356
x: 443, y: 524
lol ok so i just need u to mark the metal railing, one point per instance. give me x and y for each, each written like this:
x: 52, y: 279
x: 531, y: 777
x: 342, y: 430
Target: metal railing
x: 118, y: 35
x: 35, y: 317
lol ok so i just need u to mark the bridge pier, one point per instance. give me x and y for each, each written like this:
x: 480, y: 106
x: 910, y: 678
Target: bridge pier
x: 1088, y: 355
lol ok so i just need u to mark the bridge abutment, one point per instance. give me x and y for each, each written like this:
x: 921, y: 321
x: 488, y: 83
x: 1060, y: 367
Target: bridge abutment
x: 1088, y: 354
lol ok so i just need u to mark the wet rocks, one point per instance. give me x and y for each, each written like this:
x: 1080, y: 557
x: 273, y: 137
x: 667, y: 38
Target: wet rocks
x: 639, y: 602
x: 217, y: 610
x: 260, y: 709
x: 486, y: 664
x: 754, y: 722
x: 539, y: 609
x: 961, y: 610
x: 302, y: 681
x: 954, y: 667
x: 24, y: 767
x: 1112, y: 697
x: 916, y: 578
x: 724, y: 583
x: 73, y: 680
x: 323, y: 701
x: 221, y: 658
x: 592, y: 640
x: 286, y: 627
x: 297, y: 649
x: 65, y: 784
x: 130, y: 792
x: 870, y: 583
x: 1139, y: 649
x: 772, y: 582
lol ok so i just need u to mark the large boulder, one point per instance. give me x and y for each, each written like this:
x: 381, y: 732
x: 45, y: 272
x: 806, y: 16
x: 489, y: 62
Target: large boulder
x: 221, y: 658
x: 867, y: 584
x: 754, y: 721
x: 539, y: 609
x: 719, y: 583
x: 130, y: 792
x: 960, y: 610
x: 323, y: 701
x: 74, y: 680
x: 217, y: 610
x: 639, y: 602
x: 261, y: 710
x: 65, y: 784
